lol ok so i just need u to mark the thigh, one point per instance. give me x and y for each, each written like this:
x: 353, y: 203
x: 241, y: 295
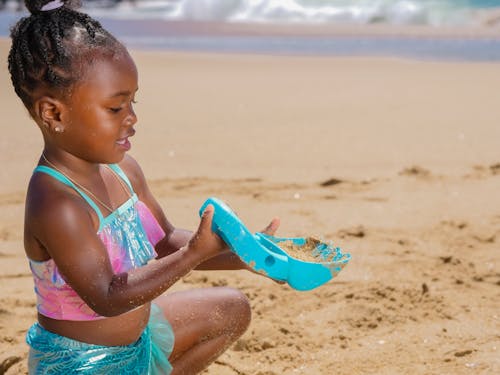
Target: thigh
x: 203, y: 313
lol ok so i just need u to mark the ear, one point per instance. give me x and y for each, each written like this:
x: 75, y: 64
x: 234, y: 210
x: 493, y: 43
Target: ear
x: 49, y: 111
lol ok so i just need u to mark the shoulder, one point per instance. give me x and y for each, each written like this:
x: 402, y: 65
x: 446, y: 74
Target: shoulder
x: 52, y: 207
x: 47, y: 196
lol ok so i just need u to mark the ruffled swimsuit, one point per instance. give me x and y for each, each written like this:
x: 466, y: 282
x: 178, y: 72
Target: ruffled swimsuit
x: 129, y: 234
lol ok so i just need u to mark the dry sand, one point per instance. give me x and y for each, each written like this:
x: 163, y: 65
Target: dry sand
x: 396, y: 161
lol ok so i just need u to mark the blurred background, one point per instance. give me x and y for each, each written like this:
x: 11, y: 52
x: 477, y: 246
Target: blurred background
x: 443, y: 29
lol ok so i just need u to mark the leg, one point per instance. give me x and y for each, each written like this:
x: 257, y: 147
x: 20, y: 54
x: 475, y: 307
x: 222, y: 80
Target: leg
x: 205, y: 323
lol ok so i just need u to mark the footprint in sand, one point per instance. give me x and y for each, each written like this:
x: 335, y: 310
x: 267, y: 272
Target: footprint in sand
x: 415, y: 171
x: 331, y: 182
x: 8, y: 363
x: 495, y: 169
x: 358, y: 232
x: 484, y: 171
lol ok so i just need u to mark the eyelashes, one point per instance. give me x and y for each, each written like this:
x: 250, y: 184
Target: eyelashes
x: 118, y: 109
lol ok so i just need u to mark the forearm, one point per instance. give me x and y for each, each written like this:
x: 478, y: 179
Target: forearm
x: 136, y: 287
x: 180, y: 237
x: 225, y: 261
x: 173, y: 242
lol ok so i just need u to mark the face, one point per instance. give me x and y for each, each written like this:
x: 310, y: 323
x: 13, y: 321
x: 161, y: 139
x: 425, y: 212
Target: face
x: 99, y: 116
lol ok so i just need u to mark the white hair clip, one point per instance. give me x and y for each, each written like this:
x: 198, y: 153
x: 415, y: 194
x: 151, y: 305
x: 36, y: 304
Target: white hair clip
x: 52, y: 5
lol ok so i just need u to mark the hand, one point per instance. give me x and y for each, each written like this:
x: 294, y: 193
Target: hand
x: 272, y: 227
x: 270, y: 230
x: 204, y: 241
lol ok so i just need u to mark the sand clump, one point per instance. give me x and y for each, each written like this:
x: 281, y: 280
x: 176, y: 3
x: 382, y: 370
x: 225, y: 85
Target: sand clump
x: 307, y: 252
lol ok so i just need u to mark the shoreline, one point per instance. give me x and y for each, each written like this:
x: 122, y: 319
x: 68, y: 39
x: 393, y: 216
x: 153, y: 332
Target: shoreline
x: 420, y: 42
x: 417, y: 42
x: 198, y: 28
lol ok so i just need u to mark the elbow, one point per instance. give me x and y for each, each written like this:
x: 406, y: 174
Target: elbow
x: 115, y: 300
x: 108, y: 307
x: 109, y: 311
x: 104, y: 307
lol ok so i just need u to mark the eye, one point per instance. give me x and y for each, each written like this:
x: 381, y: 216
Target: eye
x: 118, y: 109
x: 115, y: 110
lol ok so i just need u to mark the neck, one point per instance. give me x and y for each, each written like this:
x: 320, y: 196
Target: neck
x: 70, y: 164
x: 85, y: 182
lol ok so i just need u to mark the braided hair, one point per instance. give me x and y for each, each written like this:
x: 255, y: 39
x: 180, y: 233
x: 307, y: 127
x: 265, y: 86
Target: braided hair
x: 50, y: 48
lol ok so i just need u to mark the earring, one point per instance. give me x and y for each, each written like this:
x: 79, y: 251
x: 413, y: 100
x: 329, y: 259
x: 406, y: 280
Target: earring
x: 57, y: 129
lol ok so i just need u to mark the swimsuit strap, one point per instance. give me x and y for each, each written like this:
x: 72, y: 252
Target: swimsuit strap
x: 102, y: 220
x: 115, y: 168
x: 62, y: 178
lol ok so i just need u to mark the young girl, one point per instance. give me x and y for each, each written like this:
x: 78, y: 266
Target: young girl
x: 92, y: 226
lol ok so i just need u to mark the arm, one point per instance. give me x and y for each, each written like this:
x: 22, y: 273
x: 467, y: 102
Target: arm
x: 176, y: 238
x: 63, y: 224
x: 229, y: 260
x: 226, y: 260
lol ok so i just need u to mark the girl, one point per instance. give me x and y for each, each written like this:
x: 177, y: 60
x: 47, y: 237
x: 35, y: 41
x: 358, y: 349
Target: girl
x: 92, y: 226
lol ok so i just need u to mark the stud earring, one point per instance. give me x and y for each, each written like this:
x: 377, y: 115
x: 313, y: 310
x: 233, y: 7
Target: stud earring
x: 57, y: 129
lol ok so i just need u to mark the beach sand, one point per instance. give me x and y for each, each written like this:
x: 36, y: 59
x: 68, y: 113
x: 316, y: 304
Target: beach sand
x: 396, y: 161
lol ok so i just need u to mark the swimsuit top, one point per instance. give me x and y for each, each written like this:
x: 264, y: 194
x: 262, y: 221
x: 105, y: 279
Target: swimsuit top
x: 129, y: 234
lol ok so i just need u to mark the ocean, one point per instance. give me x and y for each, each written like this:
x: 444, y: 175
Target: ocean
x: 394, y: 12
x: 255, y: 26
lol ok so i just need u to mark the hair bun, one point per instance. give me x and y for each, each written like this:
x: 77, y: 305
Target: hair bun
x: 35, y: 6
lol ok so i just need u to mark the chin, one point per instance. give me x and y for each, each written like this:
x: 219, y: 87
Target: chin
x: 113, y: 159
x: 118, y: 159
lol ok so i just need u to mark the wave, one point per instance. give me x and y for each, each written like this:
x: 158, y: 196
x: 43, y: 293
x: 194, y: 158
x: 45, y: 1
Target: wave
x: 396, y: 12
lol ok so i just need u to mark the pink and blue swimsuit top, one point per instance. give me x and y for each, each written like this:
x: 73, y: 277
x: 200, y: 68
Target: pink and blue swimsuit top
x: 129, y: 234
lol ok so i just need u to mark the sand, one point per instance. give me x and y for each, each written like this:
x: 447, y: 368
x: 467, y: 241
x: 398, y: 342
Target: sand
x: 395, y: 161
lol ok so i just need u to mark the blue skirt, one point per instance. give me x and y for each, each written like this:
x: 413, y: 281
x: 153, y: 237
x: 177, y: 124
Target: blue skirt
x: 54, y: 354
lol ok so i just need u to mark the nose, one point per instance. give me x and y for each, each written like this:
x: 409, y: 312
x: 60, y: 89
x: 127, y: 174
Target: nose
x: 131, y: 118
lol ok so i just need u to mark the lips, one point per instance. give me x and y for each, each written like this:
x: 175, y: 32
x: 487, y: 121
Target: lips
x: 124, y: 143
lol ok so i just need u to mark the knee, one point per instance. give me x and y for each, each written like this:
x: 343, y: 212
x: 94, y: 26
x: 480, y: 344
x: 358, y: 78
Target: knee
x: 238, y: 313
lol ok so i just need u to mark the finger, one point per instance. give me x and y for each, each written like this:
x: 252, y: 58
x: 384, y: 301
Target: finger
x: 272, y: 227
x: 204, y: 226
x: 206, y: 218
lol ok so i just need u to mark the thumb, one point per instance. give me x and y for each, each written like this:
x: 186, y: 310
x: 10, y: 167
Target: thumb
x: 206, y: 219
x: 272, y: 227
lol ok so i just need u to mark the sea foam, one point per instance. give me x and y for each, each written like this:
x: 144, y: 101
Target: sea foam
x: 397, y: 12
